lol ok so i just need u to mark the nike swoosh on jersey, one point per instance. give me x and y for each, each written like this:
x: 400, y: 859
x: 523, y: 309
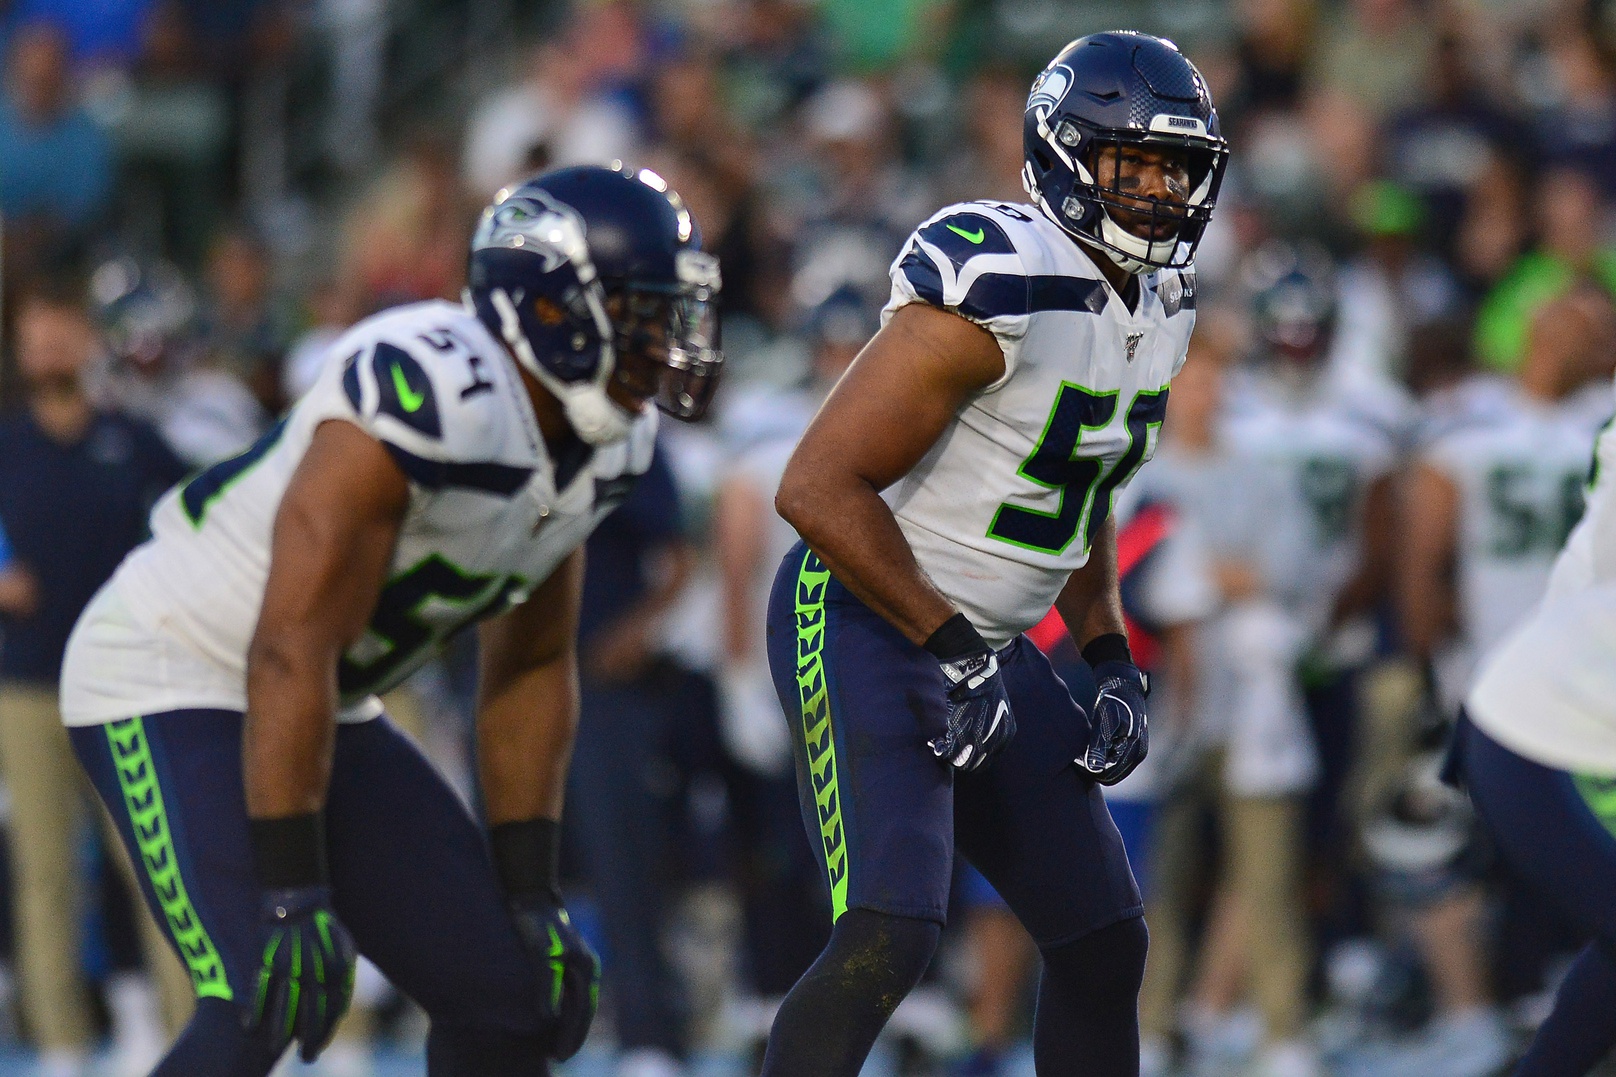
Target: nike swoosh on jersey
x: 974, y: 237
x: 409, y: 399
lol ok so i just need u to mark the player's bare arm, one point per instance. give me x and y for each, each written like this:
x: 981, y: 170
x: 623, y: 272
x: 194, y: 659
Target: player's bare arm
x: 333, y: 539
x: 527, y: 709
x: 1374, y: 576
x: 1429, y: 547
x: 1091, y: 601
x: 885, y: 414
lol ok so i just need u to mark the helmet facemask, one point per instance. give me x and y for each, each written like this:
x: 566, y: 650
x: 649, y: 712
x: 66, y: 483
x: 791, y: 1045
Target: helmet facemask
x: 666, y: 339
x: 1100, y: 214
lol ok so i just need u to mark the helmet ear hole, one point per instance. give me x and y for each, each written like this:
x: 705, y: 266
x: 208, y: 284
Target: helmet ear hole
x: 1042, y: 158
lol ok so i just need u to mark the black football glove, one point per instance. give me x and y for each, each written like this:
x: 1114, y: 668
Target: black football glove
x: 570, y: 985
x: 525, y: 854
x: 307, y: 976
x: 1118, y: 734
x: 980, y: 722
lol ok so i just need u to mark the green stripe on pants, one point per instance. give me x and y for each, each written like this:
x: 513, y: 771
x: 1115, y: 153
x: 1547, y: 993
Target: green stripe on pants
x: 812, y: 580
x: 137, y: 777
x: 1599, y: 793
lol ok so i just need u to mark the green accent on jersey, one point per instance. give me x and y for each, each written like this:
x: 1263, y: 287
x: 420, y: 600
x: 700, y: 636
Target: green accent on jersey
x: 409, y: 399
x: 406, y: 636
x: 1599, y: 793
x: 143, y: 799
x: 814, y: 692
x: 974, y: 237
x: 1087, y: 486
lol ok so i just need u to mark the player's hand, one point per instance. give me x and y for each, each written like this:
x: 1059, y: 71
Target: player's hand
x: 980, y: 723
x: 307, y: 975
x: 571, y: 981
x: 1118, y: 735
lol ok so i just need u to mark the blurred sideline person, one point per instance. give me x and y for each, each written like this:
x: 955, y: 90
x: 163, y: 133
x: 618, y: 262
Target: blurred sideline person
x: 1487, y: 507
x: 444, y: 470
x: 76, y: 483
x: 1536, y: 745
x: 634, y: 714
x: 1243, y: 750
x: 1324, y: 449
x: 957, y: 483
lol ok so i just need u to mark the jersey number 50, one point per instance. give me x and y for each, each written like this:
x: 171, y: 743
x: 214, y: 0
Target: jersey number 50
x: 1086, y: 486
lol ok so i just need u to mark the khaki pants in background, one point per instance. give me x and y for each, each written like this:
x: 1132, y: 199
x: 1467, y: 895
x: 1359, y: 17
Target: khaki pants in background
x: 48, y: 793
x: 1261, y: 869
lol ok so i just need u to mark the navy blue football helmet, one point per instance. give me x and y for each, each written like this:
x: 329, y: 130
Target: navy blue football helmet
x: 595, y: 277
x: 1099, y: 94
x: 1292, y: 290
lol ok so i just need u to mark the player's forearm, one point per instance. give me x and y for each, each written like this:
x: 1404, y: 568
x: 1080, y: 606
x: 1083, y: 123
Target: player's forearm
x: 525, y: 730
x: 289, y: 734
x: 853, y: 531
x: 1091, y: 601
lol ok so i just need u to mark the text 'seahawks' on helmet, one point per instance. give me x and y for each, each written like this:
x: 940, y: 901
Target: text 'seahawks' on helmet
x: 1102, y: 93
x: 1292, y: 291
x: 594, y: 277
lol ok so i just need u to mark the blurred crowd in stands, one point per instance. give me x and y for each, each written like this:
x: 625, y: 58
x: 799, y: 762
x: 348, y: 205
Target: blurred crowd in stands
x: 1407, y: 333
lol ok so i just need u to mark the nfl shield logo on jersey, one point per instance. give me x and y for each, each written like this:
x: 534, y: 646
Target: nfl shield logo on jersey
x: 1133, y: 344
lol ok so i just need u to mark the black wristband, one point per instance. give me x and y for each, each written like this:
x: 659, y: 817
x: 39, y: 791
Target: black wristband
x: 955, y: 638
x: 526, y: 855
x: 289, y: 852
x: 1111, y: 647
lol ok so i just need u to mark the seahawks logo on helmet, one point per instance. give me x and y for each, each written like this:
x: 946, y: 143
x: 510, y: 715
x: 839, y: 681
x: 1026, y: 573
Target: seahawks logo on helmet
x: 535, y: 222
x: 1049, y: 89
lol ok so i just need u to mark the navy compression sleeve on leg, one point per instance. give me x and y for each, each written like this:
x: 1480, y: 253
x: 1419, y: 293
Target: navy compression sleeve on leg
x: 829, y: 1021
x: 1088, y: 1003
x: 1580, y: 1032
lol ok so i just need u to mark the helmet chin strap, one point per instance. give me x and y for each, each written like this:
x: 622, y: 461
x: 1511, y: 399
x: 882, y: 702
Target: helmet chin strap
x: 594, y: 416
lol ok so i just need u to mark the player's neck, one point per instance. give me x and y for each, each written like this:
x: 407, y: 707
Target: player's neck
x: 1125, y: 284
x: 550, y: 415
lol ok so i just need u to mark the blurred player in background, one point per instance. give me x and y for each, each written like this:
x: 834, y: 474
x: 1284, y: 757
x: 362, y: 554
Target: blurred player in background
x: 956, y: 484
x: 1537, y: 747
x: 444, y: 470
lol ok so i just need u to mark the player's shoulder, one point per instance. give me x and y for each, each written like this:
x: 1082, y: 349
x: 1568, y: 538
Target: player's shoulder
x: 429, y: 379
x: 995, y: 260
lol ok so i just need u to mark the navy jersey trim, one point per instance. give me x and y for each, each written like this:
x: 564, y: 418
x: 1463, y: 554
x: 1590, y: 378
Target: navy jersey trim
x: 502, y: 479
x: 1004, y: 295
x: 350, y: 381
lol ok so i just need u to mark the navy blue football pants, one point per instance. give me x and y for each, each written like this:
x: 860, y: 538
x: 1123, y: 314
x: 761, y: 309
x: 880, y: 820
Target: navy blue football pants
x: 1556, y: 833
x: 886, y: 816
x: 410, y: 874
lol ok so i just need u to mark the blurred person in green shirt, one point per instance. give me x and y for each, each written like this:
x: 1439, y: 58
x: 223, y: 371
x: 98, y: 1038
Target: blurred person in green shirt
x: 1572, y: 246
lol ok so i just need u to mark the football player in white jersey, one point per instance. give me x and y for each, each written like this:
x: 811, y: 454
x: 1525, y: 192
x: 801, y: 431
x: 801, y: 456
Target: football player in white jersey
x: 957, y: 483
x: 221, y: 689
x: 1536, y: 745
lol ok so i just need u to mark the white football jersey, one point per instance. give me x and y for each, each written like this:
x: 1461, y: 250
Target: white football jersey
x: 1320, y: 452
x: 490, y: 517
x: 1548, y: 691
x: 1520, y: 477
x: 1006, y: 504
